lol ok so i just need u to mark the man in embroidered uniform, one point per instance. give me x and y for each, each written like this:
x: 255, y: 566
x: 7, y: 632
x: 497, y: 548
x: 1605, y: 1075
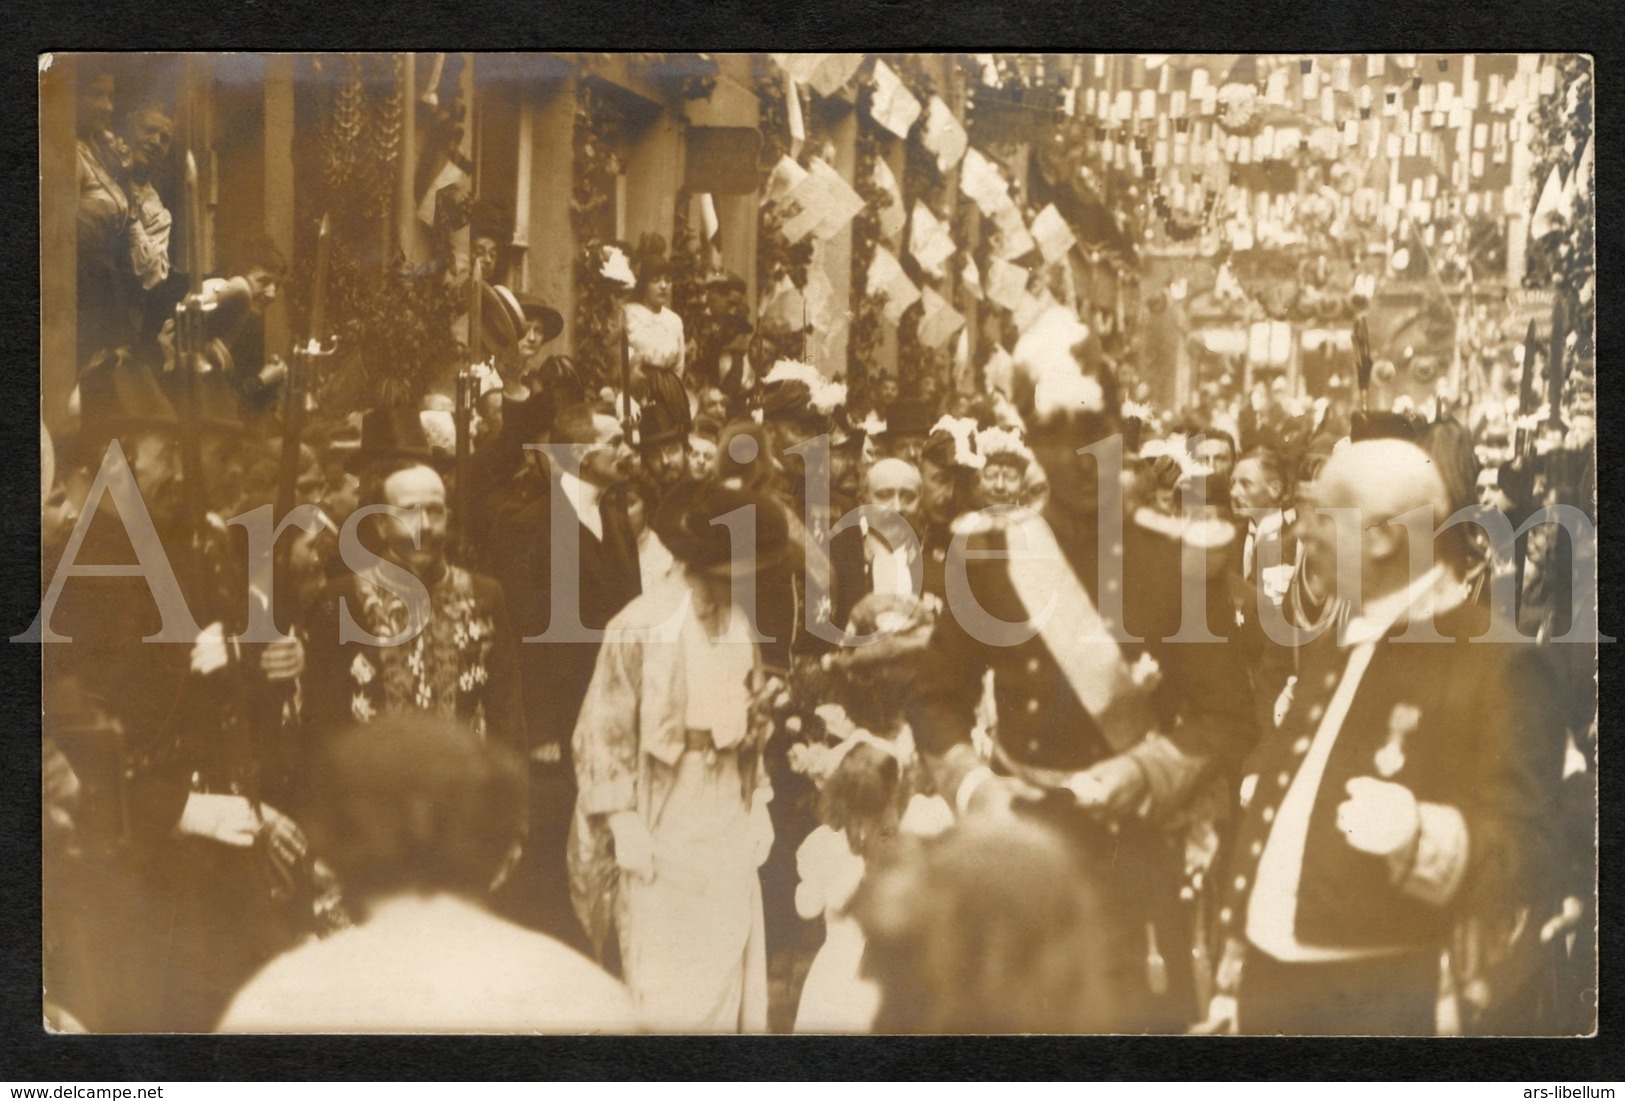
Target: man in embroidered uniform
x: 1407, y: 787
x: 1109, y: 752
x: 456, y: 656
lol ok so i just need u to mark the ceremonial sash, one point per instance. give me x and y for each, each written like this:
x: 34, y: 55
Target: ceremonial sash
x: 1075, y: 634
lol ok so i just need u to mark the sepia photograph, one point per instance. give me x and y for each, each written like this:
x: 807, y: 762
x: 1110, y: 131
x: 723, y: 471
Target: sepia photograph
x: 638, y: 543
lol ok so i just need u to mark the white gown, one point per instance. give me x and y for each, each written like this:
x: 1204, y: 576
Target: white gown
x: 835, y: 997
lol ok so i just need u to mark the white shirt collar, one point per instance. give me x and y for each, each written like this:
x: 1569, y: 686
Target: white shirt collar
x: 1420, y: 597
x: 583, y: 498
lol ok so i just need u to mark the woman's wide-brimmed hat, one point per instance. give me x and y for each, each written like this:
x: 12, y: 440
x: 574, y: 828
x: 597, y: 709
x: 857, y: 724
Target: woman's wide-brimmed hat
x: 690, y: 523
x: 537, y: 312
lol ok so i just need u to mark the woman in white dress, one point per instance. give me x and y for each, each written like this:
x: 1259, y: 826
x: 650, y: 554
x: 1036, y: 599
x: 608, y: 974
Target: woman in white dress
x: 860, y: 806
x: 672, y: 821
x: 654, y: 332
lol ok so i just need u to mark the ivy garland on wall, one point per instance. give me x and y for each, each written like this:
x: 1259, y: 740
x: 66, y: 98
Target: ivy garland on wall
x: 1561, y: 125
x: 595, y: 166
x: 775, y: 256
x: 863, y: 341
x: 393, y: 323
x: 921, y: 182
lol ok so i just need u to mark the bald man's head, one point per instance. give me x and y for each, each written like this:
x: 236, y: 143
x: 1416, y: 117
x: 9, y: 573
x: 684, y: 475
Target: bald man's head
x: 1382, y: 481
x: 893, y: 484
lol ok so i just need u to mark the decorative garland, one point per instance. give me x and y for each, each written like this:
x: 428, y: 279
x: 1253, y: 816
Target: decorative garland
x: 921, y: 177
x: 922, y: 182
x: 1561, y: 125
x: 1072, y: 161
x: 863, y: 341
x: 393, y: 324
x: 688, y: 76
x: 595, y: 166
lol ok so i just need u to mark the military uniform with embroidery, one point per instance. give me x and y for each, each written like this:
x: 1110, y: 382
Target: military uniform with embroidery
x: 1321, y: 937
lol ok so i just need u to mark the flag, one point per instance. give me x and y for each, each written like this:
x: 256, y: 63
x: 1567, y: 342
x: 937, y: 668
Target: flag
x: 1014, y: 240
x: 1006, y: 284
x: 887, y: 277
x: 981, y: 181
x: 930, y: 241
x: 1054, y: 236
x: 1551, y: 206
x: 892, y: 215
x: 971, y: 278
x: 939, y: 322
x: 821, y: 204
x: 893, y: 105
x: 1579, y: 185
x: 787, y: 176
x: 943, y: 135
x: 792, y: 109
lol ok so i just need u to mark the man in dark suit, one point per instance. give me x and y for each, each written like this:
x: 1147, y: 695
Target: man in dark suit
x: 565, y: 553
x: 160, y: 903
x: 1409, y: 787
x: 1104, y: 737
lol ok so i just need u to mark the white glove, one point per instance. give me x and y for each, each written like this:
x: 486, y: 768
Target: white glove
x: 229, y: 819
x: 1378, y: 817
x: 274, y: 371
x: 283, y: 659
x: 209, y: 651
x: 634, y: 848
x: 1115, y: 786
x: 761, y: 826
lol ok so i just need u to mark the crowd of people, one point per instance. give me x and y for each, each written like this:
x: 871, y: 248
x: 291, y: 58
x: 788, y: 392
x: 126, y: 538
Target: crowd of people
x: 699, y: 699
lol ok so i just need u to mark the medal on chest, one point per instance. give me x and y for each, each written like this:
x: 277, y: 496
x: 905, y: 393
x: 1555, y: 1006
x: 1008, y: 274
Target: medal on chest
x: 1402, y: 723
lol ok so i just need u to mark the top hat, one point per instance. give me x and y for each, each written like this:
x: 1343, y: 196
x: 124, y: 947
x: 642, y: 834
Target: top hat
x: 687, y: 522
x: 393, y: 434
x: 908, y: 417
x: 118, y: 394
x: 657, y: 425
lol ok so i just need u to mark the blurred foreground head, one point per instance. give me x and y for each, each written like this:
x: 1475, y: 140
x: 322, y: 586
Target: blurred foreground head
x: 994, y: 927
x: 415, y: 803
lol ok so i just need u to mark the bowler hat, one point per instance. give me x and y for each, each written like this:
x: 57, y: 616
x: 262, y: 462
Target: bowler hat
x: 392, y: 434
